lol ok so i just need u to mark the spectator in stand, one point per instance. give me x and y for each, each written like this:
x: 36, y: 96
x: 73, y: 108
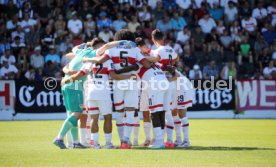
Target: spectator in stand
x: 26, y: 9
x: 119, y: 23
x: 198, y: 4
x: 197, y: 40
x: 220, y: 28
x: 229, y: 70
x: 183, y: 37
x: 210, y: 70
x: 244, y: 9
x: 200, y: 12
x: 8, y: 57
x: 270, y: 34
x: 64, y: 46
x: 30, y: 74
x: 226, y: 41
x: 18, y: 32
x: 158, y: 12
x: 186, y: 4
x: 50, y: 69
x: 85, y: 10
x: 207, y: 23
x: 52, y: 56
x: 103, y: 21
x: 211, y: 3
x: 106, y: 34
x: 48, y: 38
x: 16, y: 45
x: 245, y: 54
x: 27, y: 23
x: 188, y: 58
x: 8, y: 71
x: 60, y: 26
x: 13, y: 23
x: 169, y: 4
x: 230, y: 13
x: 164, y: 25
x: 259, y: 13
x: 249, y: 24
x: 259, y: 45
x: 271, y: 10
x: 195, y: 73
x: 74, y: 25
x: 44, y: 13
x: 89, y: 26
x: 33, y: 37
x: 177, y: 22
x: 216, y: 12
x: 264, y: 59
x: 37, y: 60
x: 10, y: 9
x: 270, y: 71
x: 144, y: 14
x: 22, y: 60
x: 133, y: 24
x: 148, y: 28
x: 235, y: 29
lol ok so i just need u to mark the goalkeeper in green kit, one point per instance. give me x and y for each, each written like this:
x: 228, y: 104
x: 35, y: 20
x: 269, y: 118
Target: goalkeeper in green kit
x: 72, y: 90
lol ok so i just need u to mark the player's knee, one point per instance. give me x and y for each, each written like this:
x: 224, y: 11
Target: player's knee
x: 174, y: 112
x: 182, y: 113
x: 155, y: 120
x: 108, y: 117
x: 146, y: 116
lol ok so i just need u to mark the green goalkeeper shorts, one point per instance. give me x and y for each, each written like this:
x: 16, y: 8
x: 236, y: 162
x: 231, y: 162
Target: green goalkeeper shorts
x: 72, y: 99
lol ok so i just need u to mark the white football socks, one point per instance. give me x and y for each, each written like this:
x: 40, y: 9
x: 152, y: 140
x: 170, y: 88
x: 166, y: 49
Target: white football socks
x: 185, y: 128
x: 129, y: 125
x: 120, y: 124
x: 177, y: 126
x: 136, y: 128
x: 147, y: 128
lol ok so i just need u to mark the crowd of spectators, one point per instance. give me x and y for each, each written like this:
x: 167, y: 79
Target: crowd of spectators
x: 219, y: 38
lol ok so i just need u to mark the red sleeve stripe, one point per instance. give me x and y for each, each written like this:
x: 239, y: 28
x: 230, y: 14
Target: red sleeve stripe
x: 117, y: 60
x: 119, y: 125
x: 167, y: 61
x: 103, y: 71
x: 118, y: 104
x: 141, y: 61
x: 156, y: 106
x: 91, y: 109
x: 185, y: 102
x: 142, y: 71
x: 185, y: 125
x: 178, y: 122
x: 106, y: 55
x: 82, y: 72
x: 170, y: 127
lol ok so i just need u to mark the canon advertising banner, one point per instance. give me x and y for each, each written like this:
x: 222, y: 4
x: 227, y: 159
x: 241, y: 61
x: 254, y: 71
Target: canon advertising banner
x: 34, y: 97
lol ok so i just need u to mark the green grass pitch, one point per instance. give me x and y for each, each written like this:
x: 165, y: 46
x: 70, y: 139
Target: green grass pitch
x: 215, y: 143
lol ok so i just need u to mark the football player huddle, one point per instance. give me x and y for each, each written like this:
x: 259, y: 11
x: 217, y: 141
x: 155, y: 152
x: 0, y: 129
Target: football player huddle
x: 128, y: 77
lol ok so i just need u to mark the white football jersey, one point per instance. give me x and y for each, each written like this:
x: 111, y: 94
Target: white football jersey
x: 166, y: 54
x: 98, y: 81
x: 123, y: 56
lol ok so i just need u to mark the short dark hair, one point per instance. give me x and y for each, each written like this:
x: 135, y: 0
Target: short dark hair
x: 96, y: 41
x: 124, y: 34
x: 157, y: 35
x: 140, y: 41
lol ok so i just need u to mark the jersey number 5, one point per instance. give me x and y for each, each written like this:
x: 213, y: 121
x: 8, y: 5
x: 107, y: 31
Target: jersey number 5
x: 125, y: 64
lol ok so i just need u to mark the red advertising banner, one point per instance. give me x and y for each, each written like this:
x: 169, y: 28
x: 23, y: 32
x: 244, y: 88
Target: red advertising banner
x: 256, y: 95
x: 7, y: 95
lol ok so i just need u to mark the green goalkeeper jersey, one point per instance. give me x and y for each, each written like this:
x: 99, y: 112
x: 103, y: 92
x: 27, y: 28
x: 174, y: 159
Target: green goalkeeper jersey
x: 76, y: 65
